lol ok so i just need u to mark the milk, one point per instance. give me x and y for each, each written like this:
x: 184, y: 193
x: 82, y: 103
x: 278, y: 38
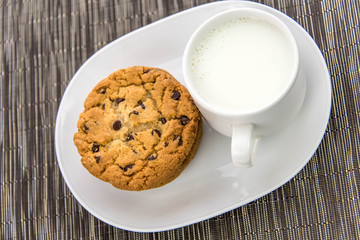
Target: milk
x: 242, y: 65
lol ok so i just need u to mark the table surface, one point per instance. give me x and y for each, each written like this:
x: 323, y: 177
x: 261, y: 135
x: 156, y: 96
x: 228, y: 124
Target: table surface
x: 43, y: 43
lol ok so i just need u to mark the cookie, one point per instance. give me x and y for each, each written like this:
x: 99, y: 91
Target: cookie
x: 139, y: 130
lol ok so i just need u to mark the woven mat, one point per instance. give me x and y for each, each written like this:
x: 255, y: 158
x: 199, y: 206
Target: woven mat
x: 43, y: 43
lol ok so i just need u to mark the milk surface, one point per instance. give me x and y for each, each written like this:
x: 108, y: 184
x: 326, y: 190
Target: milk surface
x: 242, y: 65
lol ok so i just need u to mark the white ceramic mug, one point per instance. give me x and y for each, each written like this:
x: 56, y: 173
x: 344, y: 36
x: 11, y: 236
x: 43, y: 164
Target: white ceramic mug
x: 242, y: 69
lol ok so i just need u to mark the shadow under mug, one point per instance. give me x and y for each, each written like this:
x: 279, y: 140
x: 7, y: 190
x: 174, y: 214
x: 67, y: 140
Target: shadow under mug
x: 248, y: 127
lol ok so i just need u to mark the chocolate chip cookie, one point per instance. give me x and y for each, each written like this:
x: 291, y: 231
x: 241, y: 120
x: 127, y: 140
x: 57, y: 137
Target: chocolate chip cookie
x: 139, y: 130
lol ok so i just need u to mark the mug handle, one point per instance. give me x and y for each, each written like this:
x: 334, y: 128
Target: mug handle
x: 243, y: 145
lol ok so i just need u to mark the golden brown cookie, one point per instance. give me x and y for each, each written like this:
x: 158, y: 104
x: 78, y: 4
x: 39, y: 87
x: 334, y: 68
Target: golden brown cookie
x: 139, y: 130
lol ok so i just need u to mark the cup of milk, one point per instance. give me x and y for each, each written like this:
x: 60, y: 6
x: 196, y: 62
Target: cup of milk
x: 241, y: 67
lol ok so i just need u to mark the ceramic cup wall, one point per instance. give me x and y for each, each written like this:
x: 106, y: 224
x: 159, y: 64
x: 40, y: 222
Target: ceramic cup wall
x: 232, y: 65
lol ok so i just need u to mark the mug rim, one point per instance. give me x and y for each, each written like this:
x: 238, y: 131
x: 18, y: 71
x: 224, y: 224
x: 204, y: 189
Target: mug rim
x: 203, y: 28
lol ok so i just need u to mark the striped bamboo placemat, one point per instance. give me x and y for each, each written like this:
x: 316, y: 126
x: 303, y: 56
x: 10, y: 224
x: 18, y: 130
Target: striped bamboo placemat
x: 43, y: 43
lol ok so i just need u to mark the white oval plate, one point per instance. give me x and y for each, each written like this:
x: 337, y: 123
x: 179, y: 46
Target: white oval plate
x: 210, y: 185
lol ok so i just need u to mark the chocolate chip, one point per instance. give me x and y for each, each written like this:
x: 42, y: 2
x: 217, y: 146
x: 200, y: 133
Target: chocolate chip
x: 175, y: 95
x: 103, y: 106
x: 129, y: 137
x: 102, y: 91
x: 119, y: 100
x: 97, y: 158
x: 184, y: 120
x: 117, y: 125
x: 86, y: 127
x: 127, y: 167
x: 152, y: 157
x: 180, y: 142
x: 141, y: 104
x: 147, y: 70
x: 163, y: 120
x: 134, y: 112
x: 134, y: 151
x: 166, y: 144
x: 156, y: 131
x: 95, y: 147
